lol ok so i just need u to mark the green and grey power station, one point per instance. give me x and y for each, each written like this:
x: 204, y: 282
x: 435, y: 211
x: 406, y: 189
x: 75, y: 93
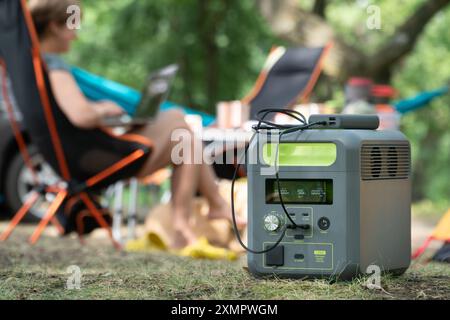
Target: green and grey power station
x: 349, y: 189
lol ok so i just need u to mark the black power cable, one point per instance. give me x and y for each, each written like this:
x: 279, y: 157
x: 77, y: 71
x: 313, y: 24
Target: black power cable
x: 283, y: 129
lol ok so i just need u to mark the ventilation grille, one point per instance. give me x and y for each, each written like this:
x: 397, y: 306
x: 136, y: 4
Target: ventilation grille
x: 385, y: 161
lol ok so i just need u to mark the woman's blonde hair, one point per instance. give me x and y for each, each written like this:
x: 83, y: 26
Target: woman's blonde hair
x: 46, y: 11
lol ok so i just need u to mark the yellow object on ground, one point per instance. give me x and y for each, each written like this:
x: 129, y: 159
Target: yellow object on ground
x: 216, y: 237
x: 203, y: 250
x: 150, y: 242
x: 442, y: 230
x: 441, y: 233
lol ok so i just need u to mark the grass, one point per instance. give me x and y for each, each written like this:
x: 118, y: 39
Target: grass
x: 40, y: 272
x: 429, y: 210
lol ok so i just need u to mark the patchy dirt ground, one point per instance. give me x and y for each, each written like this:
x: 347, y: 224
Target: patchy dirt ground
x: 40, y: 272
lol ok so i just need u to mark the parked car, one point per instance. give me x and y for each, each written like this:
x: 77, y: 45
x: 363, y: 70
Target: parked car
x: 16, y: 180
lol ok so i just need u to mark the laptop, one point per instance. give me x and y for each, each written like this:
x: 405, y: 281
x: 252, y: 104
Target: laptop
x: 154, y: 93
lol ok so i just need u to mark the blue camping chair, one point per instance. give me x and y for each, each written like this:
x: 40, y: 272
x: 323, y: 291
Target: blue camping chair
x: 98, y: 88
x: 420, y: 100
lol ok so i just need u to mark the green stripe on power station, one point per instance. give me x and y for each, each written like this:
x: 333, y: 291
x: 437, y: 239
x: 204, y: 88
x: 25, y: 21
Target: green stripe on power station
x: 300, y: 154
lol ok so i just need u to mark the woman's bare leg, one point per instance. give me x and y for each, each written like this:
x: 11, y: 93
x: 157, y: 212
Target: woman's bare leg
x: 187, y: 177
x: 218, y: 207
x: 184, y: 180
x: 184, y: 183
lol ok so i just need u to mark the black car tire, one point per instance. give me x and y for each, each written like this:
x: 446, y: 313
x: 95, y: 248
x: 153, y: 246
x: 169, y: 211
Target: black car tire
x: 11, y: 187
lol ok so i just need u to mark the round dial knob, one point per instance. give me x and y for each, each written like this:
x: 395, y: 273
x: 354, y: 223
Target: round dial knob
x: 272, y: 222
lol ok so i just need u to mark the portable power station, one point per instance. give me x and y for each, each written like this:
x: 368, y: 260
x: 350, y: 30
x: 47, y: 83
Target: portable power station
x: 347, y: 190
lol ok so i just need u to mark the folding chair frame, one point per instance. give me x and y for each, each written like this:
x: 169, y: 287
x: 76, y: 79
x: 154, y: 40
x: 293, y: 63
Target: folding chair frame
x: 71, y: 187
x: 305, y: 94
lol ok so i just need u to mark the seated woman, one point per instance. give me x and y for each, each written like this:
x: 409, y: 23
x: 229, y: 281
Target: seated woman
x: 55, y: 37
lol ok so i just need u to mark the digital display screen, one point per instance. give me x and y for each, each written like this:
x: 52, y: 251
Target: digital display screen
x: 295, y: 191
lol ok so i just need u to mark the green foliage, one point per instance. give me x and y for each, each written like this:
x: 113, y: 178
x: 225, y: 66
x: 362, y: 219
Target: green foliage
x: 349, y: 19
x: 428, y: 68
x: 221, y: 46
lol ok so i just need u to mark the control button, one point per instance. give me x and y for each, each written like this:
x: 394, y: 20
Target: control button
x: 275, y: 257
x: 272, y: 222
x: 324, y: 223
x: 299, y: 237
x: 299, y: 256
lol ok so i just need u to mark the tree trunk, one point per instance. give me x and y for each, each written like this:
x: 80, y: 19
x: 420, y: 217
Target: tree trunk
x: 209, y: 21
x: 320, y: 7
x: 404, y: 39
x: 299, y: 27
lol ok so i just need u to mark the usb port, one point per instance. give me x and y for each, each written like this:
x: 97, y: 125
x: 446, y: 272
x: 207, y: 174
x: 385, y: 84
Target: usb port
x: 299, y: 256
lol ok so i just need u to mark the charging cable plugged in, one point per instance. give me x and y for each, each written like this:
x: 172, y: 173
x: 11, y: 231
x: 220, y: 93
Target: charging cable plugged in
x: 299, y: 226
x: 282, y: 130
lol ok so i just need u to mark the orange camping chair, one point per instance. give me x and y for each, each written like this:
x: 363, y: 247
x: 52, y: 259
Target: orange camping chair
x: 440, y: 233
x: 70, y: 151
x: 288, y: 77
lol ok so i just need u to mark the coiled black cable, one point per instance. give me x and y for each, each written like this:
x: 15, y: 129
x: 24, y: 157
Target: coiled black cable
x: 264, y: 124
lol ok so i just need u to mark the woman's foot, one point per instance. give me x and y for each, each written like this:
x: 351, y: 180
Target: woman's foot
x: 183, y: 236
x: 223, y: 211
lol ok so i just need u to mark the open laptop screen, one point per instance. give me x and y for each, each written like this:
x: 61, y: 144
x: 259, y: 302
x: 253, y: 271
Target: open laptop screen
x: 156, y: 91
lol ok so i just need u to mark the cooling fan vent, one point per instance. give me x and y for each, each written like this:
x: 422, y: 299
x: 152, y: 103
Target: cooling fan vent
x: 385, y: 161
